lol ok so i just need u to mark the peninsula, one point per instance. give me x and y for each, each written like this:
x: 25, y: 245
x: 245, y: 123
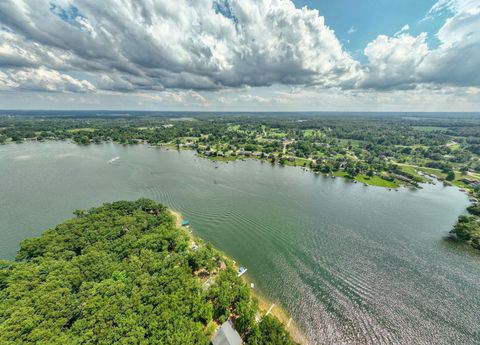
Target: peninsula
x: 125, y: 272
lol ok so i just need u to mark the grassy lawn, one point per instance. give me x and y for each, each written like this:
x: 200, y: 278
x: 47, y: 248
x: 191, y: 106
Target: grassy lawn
x: 454, y: 145
x: 458, y: 176
x: 413, y: 171
x: 341, y: 174
x: 76, y: 130
x: 308, y: 133
x: 457, y: 182
x: 278, y: 135
x: 432, y: 171
x: 377, y: 181
x: 233, y: 128
x: 372, y: 181
x: 298, y: 162
x: 428, y: 128
x: 220, y: 158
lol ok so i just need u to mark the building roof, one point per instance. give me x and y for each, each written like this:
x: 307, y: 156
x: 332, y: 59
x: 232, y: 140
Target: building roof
x: 227, y: 335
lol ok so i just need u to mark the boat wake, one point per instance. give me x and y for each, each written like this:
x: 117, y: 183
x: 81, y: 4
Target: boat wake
x: 113, y: 160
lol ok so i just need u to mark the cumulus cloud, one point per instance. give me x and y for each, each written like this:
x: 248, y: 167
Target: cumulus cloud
x: 42, y: 79
x: 157, y: 45
x: 144, y: 46
x: 406, y: 61
x: 394, y: 61
x: 457, y: 58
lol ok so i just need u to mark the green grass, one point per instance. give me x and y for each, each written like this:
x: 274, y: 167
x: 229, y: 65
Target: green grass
x: 298, y: 162
x: 371, y: 181
x: 233, y: 128
x: 428, y: 128
x: 279, y: 135
x: 457, y: 182
x: 454, y: 146
x: 76, y: 130
x: 220, y: 158
x: 413, y: 171
x: 440, y: 174
x: 308, y: 133
x: 432, y: 171
x: 341, y: 174
x: 377, y: 181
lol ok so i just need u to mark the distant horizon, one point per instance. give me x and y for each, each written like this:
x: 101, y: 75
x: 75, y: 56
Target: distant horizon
x: 132, y: 112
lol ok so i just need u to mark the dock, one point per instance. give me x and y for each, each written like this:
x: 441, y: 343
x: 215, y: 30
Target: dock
x: 270, y: 309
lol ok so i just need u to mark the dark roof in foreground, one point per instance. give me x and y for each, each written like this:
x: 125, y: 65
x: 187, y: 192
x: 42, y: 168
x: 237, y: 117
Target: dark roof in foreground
x: 227, y: 335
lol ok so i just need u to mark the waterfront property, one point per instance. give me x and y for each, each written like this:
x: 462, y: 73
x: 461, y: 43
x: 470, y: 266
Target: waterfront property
x: 227, y: 335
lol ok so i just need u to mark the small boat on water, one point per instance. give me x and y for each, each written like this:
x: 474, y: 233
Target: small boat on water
x: 241, y: 271
x: 186, y: 223
x: 113, y: 160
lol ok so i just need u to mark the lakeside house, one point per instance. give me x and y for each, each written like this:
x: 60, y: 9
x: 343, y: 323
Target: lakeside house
x: 227, y: 335
x: 470, y: 182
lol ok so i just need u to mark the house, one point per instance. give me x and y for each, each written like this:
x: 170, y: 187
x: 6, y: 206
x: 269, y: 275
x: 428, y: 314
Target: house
x: 470, y: 182
x: 227, y: 335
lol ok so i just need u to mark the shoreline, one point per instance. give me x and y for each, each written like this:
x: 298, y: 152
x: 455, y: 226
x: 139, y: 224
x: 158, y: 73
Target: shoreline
x: 264, y: 304
x: 340, y: 173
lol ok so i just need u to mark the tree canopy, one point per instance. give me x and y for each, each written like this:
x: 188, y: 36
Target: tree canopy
x: 123, y: 274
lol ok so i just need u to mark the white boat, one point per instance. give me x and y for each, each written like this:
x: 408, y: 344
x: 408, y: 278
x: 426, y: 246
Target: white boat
x: 113, y: 160
x: 241, y: 271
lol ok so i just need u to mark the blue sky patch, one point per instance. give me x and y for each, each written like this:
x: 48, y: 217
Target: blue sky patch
x: 356, y: 23
x: 71, y: 14
x: 223, y: 7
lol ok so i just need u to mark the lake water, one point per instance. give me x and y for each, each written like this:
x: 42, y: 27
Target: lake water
x: 351, y: 264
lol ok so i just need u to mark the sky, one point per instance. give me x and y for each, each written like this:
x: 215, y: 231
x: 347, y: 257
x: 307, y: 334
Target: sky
x: 240, y: 55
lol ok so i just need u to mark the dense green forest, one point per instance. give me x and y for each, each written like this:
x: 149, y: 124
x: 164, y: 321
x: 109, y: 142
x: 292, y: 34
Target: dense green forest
x: 123, y: 273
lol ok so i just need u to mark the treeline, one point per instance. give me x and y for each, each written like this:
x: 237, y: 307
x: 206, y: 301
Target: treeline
x: 467, y: 228
x: 123, y: 274
x: 365, y: 146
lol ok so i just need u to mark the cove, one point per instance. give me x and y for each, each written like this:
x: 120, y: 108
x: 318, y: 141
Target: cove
x: 351, y: 264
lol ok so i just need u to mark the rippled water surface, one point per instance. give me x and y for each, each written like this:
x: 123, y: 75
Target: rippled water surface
x: 352, y: 264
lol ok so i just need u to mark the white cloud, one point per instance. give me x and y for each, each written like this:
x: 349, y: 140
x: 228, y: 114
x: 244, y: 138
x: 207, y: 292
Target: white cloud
x: 42, y: 79
x: 394, y: 61
x: 204, y: 44
x: 405, y: 61
x: 404, y: 29
x: 169, y: 52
